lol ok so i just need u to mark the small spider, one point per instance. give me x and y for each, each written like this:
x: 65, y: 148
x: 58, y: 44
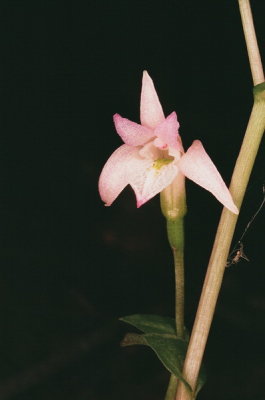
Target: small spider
x: 236, y: 255
x: 238, y: 251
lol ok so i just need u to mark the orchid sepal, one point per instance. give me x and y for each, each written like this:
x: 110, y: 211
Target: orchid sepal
x: 198, y: 167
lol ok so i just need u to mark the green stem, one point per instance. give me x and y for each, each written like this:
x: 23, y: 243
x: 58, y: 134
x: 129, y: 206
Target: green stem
x: 251, y: 42
x: 172, y: 388
x: 175, y: 233
x: 225, y: 231
x: 176, y: 241
x: 173, y: 207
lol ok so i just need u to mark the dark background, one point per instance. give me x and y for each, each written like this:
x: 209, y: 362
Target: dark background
x: 69, y: 266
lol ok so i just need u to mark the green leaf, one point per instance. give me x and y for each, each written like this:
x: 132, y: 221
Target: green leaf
x: 130, y: 339
x: 160, y: 335
x: 148, y: 323
x: 170, y: 351
x: 259, y: 88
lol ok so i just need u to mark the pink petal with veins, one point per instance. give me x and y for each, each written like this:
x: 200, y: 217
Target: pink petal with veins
x: 151, y: 112
x: 197, y: 166
x: 132, y: 133
x: 167, y: 132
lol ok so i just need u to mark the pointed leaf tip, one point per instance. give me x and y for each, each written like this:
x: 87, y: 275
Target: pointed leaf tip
x: 151, y: 323
x: 132, y: 339
x: 171, y: 352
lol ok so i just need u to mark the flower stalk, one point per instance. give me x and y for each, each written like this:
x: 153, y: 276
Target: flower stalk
x: 173, y: 206
x: 172, y: 388
x: 176, y: 240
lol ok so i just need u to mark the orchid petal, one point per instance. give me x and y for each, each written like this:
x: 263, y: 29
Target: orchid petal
x: 131, y: 133
x: 151, y: 112
x: 152, y: 181
x: 113, y: 178
x: 197, y: 166
x: 167, y: 132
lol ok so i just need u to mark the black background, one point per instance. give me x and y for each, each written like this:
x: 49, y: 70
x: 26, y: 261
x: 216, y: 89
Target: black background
x: 70, y: 267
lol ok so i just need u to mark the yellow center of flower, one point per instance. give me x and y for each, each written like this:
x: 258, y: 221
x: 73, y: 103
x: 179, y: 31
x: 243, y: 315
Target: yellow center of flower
x: 161, y: 162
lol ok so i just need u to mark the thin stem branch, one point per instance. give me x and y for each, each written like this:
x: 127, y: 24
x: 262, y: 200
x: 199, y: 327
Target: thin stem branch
x: 176, y: 240
x: 179, y: 289
x: 172, y: 388
x: 217, y: 263
x: 251, y: 42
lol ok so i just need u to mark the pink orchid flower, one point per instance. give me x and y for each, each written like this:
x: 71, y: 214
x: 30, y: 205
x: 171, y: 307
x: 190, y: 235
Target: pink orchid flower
x: 153, y: 156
